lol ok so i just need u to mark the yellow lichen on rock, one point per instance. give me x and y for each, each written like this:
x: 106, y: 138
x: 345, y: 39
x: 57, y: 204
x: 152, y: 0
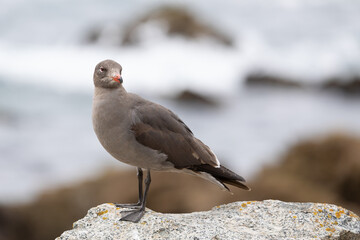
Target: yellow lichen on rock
x: 102, y: 212
x: 339, y: 213
x: 330, y: 229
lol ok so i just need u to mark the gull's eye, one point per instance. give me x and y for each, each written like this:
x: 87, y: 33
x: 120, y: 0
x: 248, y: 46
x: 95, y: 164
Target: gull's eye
x: 102, y: 69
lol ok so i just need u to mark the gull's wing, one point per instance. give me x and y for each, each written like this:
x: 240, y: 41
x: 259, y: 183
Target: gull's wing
x: 158, y: 128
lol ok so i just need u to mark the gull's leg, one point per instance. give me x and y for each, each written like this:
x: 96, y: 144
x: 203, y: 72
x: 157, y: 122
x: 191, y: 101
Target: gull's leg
x: 140, y: 182
x: 136, y: 214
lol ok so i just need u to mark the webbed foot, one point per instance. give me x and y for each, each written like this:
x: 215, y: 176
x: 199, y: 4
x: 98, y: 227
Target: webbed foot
x: 133, y: 216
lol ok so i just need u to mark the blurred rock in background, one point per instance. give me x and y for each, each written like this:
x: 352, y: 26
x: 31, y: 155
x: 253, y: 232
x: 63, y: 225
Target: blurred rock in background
x: 173, y: 20
x: 324, y: 169
x: 262, y: 79
x: 193, y: 98
x: 348, y: 86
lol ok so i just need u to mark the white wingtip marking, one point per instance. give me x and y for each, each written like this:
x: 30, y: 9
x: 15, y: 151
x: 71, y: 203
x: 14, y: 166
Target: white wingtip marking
x: 217, y: 160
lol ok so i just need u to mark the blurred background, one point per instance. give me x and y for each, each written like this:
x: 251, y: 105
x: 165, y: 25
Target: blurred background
x: 273, y: 87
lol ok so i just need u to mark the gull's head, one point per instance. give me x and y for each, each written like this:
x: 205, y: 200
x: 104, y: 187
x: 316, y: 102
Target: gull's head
x: 107, y: 74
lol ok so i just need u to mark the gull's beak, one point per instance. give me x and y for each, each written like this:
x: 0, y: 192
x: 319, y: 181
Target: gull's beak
x: 118, y: 78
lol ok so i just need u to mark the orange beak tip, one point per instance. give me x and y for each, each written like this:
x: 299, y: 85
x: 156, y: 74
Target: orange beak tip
x: 118, y: 79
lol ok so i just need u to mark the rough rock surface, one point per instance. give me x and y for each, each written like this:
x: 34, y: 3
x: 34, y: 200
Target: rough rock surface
x: 268, y: 219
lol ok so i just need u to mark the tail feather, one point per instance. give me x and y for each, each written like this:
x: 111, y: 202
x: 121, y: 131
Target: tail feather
x: 223, y: 175
x: 236, y: 183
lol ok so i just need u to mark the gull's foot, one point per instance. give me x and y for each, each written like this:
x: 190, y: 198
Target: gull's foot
x: 133, y: 216
x: 129, y: 205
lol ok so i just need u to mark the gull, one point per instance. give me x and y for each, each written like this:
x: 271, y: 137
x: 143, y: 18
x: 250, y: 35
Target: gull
x: 149, y: 136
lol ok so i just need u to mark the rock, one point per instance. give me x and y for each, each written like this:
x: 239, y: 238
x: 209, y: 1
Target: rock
x: 321, y: 169
x: 348, y: 86
x: 269, y: 219
x: 93, y: 35
x: 10, y: 224
x: 259, y: 79
x: 191, y: 97
x: 175, y: 21
x: 334, y: 161
x: 325, y: 169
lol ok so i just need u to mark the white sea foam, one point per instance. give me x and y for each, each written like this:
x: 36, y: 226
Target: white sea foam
x: 305, y: 40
